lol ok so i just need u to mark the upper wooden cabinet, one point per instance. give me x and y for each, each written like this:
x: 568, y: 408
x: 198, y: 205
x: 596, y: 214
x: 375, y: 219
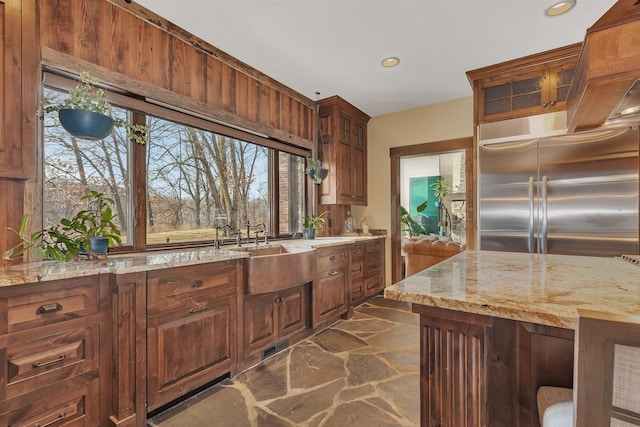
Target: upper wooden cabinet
x: 522, y: 87
x: 17, y: 90
x: 608, y: 71
x: 343, y: 148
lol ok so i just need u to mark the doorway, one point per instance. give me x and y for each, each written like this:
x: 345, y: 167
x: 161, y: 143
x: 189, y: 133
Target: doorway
x: 418, y: 166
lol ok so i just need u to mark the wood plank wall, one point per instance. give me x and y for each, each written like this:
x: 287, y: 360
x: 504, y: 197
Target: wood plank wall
x: 136, y: 43
x: 132, y: 48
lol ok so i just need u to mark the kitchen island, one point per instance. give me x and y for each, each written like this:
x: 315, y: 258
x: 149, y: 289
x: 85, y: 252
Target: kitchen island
x: 495, y: 326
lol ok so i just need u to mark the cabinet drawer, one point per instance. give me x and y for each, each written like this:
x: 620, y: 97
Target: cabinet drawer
x: 331, y: 259
x: 357, y: 270
x: 187, y: 286
x: 73, y: 402
x: 373, y: 266
x: 356, y: 252
x: 373, y: 248
x: 33, y: 363
x: 51, y: 306
x: 373, y: 285
x: 357, y: 291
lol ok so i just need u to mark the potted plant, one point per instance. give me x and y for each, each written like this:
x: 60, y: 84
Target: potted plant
x: 87, y: 114
x: 440, y: 190
x: 89, y: 233
x: 312, y: 224
x: 56, y: 242
x: 95, y: 225
x: 315, y: 171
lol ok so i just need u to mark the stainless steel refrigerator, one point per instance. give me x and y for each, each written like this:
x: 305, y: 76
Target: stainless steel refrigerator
x: 570, y: 194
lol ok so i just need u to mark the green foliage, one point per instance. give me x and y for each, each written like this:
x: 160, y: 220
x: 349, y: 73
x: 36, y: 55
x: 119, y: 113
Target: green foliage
x: 86, y: 96
x: 440, y: 188
x: 314, y: 222
x: 56, y: 242
x: 97, y: 221
x: 63, y: 241
x: 410, y: 225
x: 314, y: 166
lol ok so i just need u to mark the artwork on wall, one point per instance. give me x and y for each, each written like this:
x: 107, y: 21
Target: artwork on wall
x: 420, y: 190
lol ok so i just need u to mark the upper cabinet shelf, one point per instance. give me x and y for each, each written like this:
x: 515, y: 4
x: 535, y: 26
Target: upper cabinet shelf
x: 343, y: 148
x: 523, y: 87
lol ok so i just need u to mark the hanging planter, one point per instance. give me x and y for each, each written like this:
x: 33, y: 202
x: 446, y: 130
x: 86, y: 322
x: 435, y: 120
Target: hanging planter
x: 315, y: 171
x: 85, y: 124
x: 86, y: 113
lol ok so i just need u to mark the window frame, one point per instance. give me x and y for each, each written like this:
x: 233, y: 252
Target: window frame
x: 139, y: 108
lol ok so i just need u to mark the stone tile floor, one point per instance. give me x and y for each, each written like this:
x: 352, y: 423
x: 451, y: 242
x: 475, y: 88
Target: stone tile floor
x: 360, y: 372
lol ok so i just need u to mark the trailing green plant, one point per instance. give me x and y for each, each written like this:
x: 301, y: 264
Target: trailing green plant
x: 71, y: 236
x: 314, y: 222
x: 86, y: 96
x: 57, y: 242
x: 440, y: 188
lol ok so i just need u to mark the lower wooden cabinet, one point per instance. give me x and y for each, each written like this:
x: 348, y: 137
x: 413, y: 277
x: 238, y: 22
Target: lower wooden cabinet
x: 54, y: 347
x: 191, y: 332
x: 271, y: 318
x: 331, y: 287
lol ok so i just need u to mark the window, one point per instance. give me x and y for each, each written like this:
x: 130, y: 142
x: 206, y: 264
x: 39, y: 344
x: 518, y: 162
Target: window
x: 199, y: 174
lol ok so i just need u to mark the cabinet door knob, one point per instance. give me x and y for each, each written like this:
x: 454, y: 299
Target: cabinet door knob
x: 546, y: 104
x: 279, y: 300
x: 332, y: 258
x: 553, y: 103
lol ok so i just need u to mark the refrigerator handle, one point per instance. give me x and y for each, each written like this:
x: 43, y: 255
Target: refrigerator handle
x: 545, y: 223
x: 530, y: 240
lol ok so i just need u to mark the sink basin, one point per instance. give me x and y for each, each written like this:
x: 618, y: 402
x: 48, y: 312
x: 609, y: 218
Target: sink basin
x: 274, y: 268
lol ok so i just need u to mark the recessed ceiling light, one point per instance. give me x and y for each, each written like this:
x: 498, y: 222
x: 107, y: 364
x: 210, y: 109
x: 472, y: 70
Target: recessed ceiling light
x: 561, y: 7
x: 391, y: 61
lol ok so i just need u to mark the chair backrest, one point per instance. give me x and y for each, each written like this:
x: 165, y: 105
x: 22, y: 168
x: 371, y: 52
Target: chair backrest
x: 607, y: 370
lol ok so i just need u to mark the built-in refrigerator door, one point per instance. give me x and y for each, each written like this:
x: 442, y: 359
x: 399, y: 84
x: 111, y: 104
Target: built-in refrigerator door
x: 507, y: 196
x: 588, y: 188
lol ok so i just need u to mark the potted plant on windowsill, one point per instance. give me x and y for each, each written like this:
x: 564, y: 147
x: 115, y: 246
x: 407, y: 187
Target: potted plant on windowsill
x: 311, y: 225
x: 96, y: 226
x: 86, y: 113
x: 58, y: 242
x: 88, y: 234
x: 316, y: 171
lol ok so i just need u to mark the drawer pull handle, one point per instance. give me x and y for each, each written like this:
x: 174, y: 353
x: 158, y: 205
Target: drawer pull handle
x: 333, y: 273
x: 50, y: 362
x: 196, y: 284
x: 61, y: 417
x: 332, y: 258
x: 279, y: 300
x: 355, y: 270
x: 197, y: 308
x: 49, y: 308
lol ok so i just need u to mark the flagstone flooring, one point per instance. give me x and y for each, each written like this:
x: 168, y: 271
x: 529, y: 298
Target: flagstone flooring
x: 360, y: 372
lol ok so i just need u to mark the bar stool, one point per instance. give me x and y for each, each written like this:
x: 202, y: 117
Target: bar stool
x: 606, y: 376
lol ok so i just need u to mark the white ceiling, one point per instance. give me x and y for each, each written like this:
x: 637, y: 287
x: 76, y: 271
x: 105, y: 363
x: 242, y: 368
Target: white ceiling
x: 335, y: 46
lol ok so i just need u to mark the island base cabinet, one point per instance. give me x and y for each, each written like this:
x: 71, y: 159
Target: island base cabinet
x: 188, y: 348
x: 453, y: 365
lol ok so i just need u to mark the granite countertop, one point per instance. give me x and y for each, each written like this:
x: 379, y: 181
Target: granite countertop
x: 145, y: 261
x: 542, y: 289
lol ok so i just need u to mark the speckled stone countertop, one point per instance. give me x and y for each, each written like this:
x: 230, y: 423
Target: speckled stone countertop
x: 542, y: 289
x: 145, y: 261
